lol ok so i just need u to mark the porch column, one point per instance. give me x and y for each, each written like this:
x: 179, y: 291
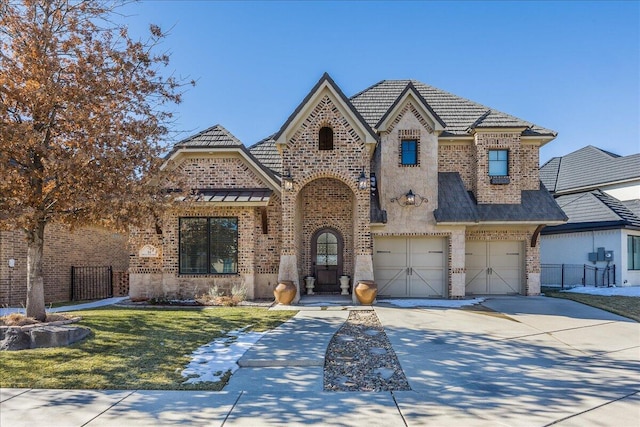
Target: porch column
x: 457, y: 268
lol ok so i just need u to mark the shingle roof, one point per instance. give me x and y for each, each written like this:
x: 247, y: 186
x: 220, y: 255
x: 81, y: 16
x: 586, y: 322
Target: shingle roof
x: 267, y: 154
x: 588, y: 168
x: 594, y: 209
x: 455, y: 204
x: 458, y: 114
x: 215, y: 136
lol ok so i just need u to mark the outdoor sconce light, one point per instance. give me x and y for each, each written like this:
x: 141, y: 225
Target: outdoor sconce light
x: 362, y: 180
x: 409, y: 199
x: 287, y: 181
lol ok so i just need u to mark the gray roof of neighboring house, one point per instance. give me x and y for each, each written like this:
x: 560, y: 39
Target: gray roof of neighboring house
x: 456, y: 204
x: 458, y: 114
x: 595, y: 209
x: 588, y: 168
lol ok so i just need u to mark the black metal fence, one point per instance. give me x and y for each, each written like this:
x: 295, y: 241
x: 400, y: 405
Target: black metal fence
x: 91, y: 283
x: 577, y: 275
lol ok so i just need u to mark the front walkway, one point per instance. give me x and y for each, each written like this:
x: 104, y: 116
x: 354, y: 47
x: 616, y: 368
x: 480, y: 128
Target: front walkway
x: 534, y: 361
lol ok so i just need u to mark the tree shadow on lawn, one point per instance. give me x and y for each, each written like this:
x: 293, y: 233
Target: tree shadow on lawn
x: 130, y: 349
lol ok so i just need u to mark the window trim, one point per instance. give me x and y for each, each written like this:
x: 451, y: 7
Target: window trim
x: 630, y: 252
x: 208, y: 246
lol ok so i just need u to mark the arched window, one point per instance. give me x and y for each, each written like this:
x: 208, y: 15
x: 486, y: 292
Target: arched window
x: 325, y: 138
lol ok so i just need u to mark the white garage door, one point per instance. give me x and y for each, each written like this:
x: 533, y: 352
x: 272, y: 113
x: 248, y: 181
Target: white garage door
x: 493, y: 268
x: 410, y: 267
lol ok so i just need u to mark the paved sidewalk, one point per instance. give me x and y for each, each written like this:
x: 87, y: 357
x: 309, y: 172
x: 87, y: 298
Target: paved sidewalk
x: 531, y: 362
x: 80, y: 306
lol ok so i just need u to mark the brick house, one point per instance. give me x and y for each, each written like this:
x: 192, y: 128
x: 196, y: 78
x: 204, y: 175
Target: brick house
x: 63, y: 248
x: 424, y: 192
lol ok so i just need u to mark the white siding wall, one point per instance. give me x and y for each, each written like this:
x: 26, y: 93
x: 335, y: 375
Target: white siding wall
x: 627, y: 191
x: 574, y: 248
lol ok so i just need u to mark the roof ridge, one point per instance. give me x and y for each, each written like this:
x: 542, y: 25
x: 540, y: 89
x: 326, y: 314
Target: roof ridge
x: 626, y: 214
x: 373, y: 86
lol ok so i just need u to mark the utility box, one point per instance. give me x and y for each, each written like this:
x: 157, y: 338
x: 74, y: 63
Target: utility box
x: 608, y: 255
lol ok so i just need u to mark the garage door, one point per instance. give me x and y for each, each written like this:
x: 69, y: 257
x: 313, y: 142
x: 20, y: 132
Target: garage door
x: 493, y: 268
x: 410, y: 267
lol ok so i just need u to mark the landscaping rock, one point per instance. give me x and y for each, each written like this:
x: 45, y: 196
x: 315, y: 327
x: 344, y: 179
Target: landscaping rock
x: 14, y: 338
x: 43, y: 335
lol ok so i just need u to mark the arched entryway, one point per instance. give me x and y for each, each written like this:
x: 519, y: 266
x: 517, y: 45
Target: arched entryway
x: 327, y: 247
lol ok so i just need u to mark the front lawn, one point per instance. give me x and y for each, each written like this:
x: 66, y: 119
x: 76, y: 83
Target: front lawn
x: 624, y: 306
x: 132, y: 349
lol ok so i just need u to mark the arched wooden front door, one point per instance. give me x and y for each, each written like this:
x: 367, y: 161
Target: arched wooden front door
x: 326, y: 252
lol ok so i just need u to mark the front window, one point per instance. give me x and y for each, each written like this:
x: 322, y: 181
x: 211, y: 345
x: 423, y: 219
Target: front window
x: 409, y: 152
x: 208, y: 245
x: 498, y: 162
x: 633, y: 252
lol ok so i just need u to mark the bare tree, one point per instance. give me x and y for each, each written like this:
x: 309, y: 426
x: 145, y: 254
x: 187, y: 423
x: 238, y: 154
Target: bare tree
x: 84, y: 108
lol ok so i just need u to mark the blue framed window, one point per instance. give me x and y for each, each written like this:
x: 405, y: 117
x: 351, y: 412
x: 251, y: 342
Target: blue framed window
x: 408, y: 152
x: 208, y: 245
x: 498, y: 162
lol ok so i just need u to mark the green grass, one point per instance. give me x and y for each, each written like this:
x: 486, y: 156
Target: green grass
x: 131, y: 349
x: 624, y: 306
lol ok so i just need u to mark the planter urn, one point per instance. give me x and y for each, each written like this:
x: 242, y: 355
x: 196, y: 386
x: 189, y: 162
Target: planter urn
x: 366, y: 291
x: 285, y: 292
x: 310, y: 280
x: 344, y: 285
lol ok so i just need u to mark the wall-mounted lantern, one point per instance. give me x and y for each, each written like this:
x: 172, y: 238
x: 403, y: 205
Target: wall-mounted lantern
x: 409, y: 199
x: 287, y: 181
x: 362, y: 180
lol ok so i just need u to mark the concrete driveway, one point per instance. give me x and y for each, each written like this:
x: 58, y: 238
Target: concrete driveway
x: 515, y: 361
x: 533, y: 361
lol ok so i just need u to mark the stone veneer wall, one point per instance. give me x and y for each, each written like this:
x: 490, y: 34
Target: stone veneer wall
x: 531, y: 255
x: 396, y: 179
x: 327, y: 203
x: 87, y: 246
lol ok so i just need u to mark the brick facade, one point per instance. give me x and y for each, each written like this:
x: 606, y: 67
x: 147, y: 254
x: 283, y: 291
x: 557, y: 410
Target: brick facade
x: 275, y: 239
x: 88, y: 246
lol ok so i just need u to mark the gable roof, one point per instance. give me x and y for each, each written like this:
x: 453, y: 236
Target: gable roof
x: 458, y: 114
x: 327, y: 81
x: 588, y: 168
x: 457, y: 205
x: 217, y: 138
x: 410, y: 89
x: 594, y: 209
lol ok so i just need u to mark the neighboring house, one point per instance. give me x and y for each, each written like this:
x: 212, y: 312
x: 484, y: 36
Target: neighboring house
x: 600, y: 193
x: 83, y: 247
x: 424, y: 192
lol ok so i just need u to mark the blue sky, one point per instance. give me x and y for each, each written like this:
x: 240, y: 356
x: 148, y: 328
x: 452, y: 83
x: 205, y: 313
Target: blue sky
x: 572, y: 67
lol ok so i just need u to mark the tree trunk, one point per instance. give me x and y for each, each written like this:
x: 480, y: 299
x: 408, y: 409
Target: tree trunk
x: 35, y: 280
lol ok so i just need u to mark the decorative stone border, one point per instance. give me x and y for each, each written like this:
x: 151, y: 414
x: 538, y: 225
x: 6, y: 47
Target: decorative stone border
x: 42, y: 335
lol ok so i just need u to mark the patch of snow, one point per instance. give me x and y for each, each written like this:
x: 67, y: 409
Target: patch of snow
x: 211, y: 361
x: 625, y: 291
x: 448, y: 303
